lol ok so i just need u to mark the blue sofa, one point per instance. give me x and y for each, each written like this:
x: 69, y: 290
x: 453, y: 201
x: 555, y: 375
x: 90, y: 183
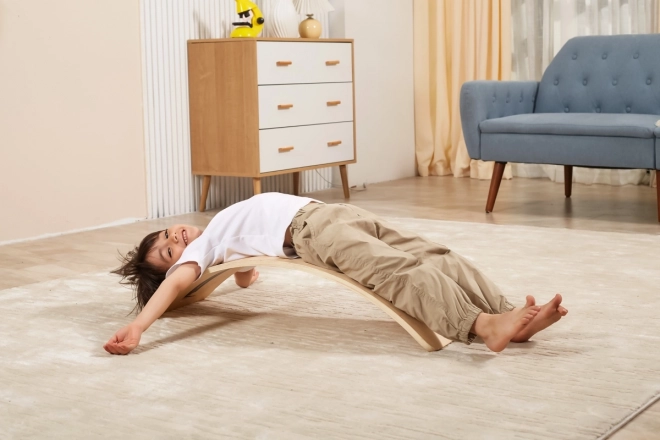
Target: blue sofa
x: 597, y: 106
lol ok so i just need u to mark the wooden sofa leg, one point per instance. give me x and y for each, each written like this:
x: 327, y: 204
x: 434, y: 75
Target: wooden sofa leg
x: 657, y: 184
x: 498, y: 172
x: 568, y: 180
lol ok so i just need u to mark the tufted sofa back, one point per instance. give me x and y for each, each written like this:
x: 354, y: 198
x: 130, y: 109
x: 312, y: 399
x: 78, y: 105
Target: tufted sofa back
x: 603, y: 74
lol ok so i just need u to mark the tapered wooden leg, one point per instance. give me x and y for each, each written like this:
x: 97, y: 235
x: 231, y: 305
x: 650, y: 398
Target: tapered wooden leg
x: 296, y: 183
x: 498, y: 172
x: 206, y: 183
x: 568, y: 180
x: 344, y: 181
x: 256, y: 185
x: 657, y: 184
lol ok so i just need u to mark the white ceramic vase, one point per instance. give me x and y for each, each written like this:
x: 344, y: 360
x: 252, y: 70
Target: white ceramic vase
x: 282, y: 19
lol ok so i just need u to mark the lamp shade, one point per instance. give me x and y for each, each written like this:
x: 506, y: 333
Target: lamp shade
x: 312, y: 6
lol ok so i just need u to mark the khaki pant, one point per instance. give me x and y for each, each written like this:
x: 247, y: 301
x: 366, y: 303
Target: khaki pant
x: 422, y: 278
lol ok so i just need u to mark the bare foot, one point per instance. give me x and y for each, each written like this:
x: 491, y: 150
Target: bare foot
x: 497, y: 330
x: 548, y: 315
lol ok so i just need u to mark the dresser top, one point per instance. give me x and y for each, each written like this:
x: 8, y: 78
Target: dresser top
x: 294, y: 40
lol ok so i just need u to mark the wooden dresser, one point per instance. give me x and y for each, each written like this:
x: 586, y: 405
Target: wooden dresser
x: 261, y: 107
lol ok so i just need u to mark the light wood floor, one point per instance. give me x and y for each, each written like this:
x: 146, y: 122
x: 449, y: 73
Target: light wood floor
x: 532, y: 202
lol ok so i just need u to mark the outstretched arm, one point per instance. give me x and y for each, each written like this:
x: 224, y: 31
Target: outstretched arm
x: 127, y: 338
x: 245, y: 279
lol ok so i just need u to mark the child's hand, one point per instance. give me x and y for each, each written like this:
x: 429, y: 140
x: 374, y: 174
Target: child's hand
x: 245, y: 279
x: 125, y: 340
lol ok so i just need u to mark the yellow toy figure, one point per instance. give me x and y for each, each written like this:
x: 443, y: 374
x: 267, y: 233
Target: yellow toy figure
x: 252, y: 20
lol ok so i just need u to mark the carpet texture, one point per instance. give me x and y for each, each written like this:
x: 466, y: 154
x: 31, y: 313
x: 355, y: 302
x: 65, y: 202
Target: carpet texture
x: 296, y: 356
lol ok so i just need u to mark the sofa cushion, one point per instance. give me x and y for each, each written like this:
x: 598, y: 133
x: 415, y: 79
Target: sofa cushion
x: 575, y: 124
x: 586, y: 151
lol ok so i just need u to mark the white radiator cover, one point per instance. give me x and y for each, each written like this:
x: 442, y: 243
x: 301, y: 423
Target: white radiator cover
x: 166, y: 25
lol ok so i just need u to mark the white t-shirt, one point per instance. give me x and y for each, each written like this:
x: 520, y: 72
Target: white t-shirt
x: 251, y: 228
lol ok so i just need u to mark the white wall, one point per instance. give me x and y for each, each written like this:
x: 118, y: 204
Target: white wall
x: 71, y: 135
x: 383, y: 34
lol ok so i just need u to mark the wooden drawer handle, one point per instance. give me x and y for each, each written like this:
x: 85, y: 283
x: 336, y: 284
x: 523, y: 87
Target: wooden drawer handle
x: 284, y: 106
x: 332, y: 63
x: 334, y: 143
x: 332, y: 103
x: 284, y: 63
x: 284, y: 149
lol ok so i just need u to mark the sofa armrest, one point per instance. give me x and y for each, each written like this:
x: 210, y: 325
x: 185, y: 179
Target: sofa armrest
x: 482, y: 100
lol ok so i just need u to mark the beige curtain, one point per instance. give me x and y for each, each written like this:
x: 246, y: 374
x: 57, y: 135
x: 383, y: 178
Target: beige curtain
x: 454, y: 41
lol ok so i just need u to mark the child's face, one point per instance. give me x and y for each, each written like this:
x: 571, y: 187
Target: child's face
x: 170, y: 245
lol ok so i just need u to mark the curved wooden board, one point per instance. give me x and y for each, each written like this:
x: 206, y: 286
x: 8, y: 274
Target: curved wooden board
x: 214, y: 276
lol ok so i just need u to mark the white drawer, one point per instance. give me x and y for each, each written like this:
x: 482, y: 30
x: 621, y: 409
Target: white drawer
x: 310, y: 146
x: 304, y: 62
x: 305, y: 104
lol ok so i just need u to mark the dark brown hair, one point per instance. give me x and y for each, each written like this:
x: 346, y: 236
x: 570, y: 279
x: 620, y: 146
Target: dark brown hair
x: 137, y: 272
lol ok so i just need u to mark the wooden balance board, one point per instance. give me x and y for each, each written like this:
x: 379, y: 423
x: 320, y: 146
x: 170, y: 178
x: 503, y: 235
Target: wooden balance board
x: 215, y: 275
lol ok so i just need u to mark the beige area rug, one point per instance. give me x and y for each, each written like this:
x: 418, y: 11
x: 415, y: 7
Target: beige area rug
x: 300, y: 357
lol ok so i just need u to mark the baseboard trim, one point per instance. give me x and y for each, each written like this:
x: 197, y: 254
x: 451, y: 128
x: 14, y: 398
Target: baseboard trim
x: 57, y: 234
